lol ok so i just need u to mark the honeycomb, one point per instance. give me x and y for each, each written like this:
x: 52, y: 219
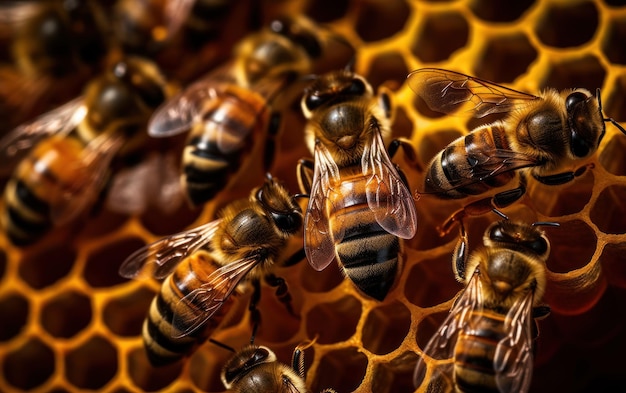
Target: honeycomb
x: 70, y: 322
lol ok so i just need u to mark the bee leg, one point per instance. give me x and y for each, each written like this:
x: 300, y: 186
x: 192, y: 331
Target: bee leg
x: 459, y: 257
x: 480, y: 207
x: 407, y: 148
x: 270, y: 141
x: 562, y: 178
x: 305, y: 174
x: 296, y: 257
x: 255, y: 315
x: 282, y: 292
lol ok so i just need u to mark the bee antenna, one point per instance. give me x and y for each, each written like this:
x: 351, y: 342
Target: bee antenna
x: 546, y: 224
x: 222, y: 345
x: 502, y: 215
x: 350, y: 65
x: 608, y: 119
x: 255, y: 327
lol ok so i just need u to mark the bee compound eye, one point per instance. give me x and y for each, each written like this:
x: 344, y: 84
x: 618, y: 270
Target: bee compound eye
x: 539, y: 246
x: 313, y: 101
x: 287, y: 222
x: 579, y: 145
x: 356, y: 87
x: 574, y: 99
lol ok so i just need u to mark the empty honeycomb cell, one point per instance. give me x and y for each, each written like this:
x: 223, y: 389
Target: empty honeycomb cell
x: 586, y: 71
x: 148, y: 378
x: 611, y: 158
x: 352, y: 364
x: 385, y: 328
x: 101, y: 269
x: 608, y: 211
x: 395, y: 376
x: 66, y: 314
x: 124, y: 315
x: 504, y: 58
x: 429, y: 47
x: 402, y: 125
x: 334, y: 322
x: 378, y: 20
x: 14, y: 309
x: 45, y: 267
x: 566, y: 255
x: 499, y: 11
x: 431, y: 282
x: 561, y: 200
x: 613, y: 43
x: 389, y: 69
x: 29, y: 365
x: 614, y: 103
x: 428, y: 327
x: 568, y: 24
x: 613, y: 265
x: 92, y: 364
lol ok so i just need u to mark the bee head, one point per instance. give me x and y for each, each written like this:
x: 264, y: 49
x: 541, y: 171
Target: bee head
x: 585, y: 122
x: 518, y: 237
x: 279, y: 205
x: 244, y: 361
x: 333, y: 88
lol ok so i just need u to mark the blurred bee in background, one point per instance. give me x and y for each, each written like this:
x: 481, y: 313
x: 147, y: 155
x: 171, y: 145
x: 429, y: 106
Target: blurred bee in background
x: 486, y: 342
x: 170, y: 30
x: 359, y: 203
x: 54, y: 47
x: 63, y: 159
x: 204, y: 266
x: 544, y: 136
x: 230, y: 110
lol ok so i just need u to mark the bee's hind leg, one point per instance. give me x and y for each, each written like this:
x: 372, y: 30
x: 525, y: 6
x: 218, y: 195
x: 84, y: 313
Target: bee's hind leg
x: 282, y: 292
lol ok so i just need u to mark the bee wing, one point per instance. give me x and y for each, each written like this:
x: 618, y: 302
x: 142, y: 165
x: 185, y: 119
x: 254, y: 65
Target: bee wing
x: 319, y: 241
x: 154, y: 182
x: 195, y: 309
x: 387, y: 195
x: 449, y: 92
x: 180, y: 112
x: 59, y: 121
x: 175, y: 14
x: 78, y: 195
x: 441, y: 346
x: 513, y: 360
x: 160, y: 258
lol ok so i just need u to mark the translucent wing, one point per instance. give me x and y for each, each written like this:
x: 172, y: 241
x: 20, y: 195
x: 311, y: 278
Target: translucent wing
x: 387, y: 195
x: 88, y: 180
x: 160, y: 258
x: 441, y: 346
x: 154, y: 182
x: 180, y: 112
x: 195, y: 309
x: 175, y: 14
x: 513, y: 360
x: 59, y: 121
x: 482, y: 164
x: 319, y: 241
x: 452, y: 92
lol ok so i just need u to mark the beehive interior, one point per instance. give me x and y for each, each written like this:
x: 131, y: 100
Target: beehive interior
x: 71, y: 322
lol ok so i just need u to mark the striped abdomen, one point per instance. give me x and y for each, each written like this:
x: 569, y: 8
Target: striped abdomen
x: 39, y: 185
x: 454, y: 173
x: 160, y: 338
x: 368, y: 254
x: 217, y: 146
x: 474, y: 353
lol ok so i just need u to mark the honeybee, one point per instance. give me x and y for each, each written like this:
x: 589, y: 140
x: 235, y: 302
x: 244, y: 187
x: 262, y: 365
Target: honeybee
x: 55, y: 47
x: 359, y: 204
x: 229, y: 111
x: 544, y: 136
x: 204, y: 266
x: 62, y: 159
x: 257, y: 369
x: 486, y: 342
